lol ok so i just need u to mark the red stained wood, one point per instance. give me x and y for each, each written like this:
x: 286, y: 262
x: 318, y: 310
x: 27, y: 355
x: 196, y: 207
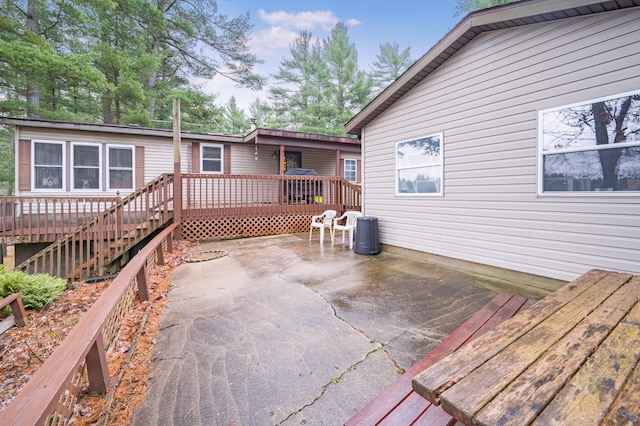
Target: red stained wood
x: 399, y: 404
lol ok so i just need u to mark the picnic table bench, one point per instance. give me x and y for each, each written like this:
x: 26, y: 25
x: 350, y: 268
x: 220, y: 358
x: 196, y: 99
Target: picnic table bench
x: 400, y: 405
x: 570, y: 359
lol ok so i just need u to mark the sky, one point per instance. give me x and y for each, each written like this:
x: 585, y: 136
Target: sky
x: 415, y: 24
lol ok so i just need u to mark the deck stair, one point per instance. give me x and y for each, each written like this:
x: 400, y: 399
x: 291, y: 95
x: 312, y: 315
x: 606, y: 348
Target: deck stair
x: 93, y: 248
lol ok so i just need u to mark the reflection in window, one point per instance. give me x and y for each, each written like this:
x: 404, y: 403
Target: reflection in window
x: 350, y: 169
x: 48, y: 165
x: 211, y: 156
x: 86, y: 166
x: 592, y: 147
x: 120, y: 161
x: 419, y: 166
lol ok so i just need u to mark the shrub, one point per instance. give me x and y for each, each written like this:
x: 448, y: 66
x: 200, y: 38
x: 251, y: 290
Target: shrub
x: 37, y: 290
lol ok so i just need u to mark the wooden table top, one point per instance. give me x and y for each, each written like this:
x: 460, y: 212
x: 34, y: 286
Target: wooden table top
x: 570, y: 359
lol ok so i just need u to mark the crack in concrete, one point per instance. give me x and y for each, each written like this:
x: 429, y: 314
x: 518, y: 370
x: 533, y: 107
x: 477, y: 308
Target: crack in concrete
x: 371, y: 339
x: 336, y: 380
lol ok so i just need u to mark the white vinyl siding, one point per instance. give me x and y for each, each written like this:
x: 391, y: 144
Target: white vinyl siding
x: 486, y: 100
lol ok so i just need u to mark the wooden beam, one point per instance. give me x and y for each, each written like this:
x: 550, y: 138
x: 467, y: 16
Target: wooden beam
x: 177, y: 179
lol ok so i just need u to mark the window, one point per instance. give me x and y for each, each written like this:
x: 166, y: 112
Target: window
x: 419, y: 166
x: 120, y: 161
x: 48, y: 165
x: 591, y: 147
x: 351, y: 169
x: 211, y: 158
x: 86, y: 160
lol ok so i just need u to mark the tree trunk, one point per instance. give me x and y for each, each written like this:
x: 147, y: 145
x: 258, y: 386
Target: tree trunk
x: 608, y: 157
x: 33, y: 88
x: 107, y: 117
x: 151, y: 82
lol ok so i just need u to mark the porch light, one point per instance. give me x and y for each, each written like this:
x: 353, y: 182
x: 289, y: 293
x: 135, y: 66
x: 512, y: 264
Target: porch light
x: 256, y: 154
x: 275, y: 155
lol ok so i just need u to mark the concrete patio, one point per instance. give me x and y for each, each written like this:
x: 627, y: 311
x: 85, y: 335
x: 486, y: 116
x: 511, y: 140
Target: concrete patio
x: 285, y: 331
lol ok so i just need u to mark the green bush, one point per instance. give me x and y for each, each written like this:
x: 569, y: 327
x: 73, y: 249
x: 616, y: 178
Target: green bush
x: 37, y: 290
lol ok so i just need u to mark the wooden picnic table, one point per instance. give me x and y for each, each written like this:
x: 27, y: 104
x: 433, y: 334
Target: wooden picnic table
x: 570, y: 359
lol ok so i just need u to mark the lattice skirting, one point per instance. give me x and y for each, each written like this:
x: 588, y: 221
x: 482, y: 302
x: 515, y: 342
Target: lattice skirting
x: 227, y: 227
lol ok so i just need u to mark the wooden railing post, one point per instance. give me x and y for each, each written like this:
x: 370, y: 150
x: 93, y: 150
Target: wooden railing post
x: 141, y: 278
x: 170, y: 243
x: 160, y: 255
x: 97, y: 368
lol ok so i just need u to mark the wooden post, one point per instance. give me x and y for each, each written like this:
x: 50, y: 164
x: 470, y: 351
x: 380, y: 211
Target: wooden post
x: 97, y: 368
x: 160, y: 255
x: 282, y: 160
x: 170, y: 243
x: 143, y: 287
x: 177, y: 178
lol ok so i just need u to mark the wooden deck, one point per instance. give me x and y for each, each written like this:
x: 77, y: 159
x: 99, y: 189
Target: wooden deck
x: 572, y: 359
x: 400, y: 405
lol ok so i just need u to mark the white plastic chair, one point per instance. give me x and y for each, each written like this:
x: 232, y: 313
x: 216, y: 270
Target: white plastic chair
x: 350, y: 219
x: 321, y: 221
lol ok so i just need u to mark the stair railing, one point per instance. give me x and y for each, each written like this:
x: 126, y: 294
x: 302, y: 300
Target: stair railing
x: 89, y: 249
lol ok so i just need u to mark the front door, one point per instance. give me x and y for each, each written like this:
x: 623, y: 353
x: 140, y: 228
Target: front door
x: 292, y: 160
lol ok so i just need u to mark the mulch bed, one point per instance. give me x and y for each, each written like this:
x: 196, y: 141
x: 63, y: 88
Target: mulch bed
x: 24, y: 349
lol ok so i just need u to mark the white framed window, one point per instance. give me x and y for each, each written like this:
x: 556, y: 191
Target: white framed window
x: 48, y: 162
x: 86, y: 161
x: 419, y: 166
x: 120, y: 167
x: 590, y: 148
x: 211, y: 158
x: 351, y: 169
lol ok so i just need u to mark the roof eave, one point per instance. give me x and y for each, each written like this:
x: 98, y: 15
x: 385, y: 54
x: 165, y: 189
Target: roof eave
x: 475, y: 23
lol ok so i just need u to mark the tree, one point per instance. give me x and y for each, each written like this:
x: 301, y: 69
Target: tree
x: 350, y: 89
x: 7, y: 159
x: 465, y: 6
x: 235, y: 119
x: 193, y: 39
x: 319, y: 87
x: 299, y: 82
x: 39, y: 72
x: 389, y: 64
x: 610, y: 123
x: 263, y: 113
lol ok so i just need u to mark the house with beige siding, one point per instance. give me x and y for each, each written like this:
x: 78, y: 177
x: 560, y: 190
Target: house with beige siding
x: 79, y: 159
x: 513, y: 144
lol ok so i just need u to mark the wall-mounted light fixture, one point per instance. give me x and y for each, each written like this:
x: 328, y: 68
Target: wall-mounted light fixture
x: 275, y: 155
x: 256, y: 154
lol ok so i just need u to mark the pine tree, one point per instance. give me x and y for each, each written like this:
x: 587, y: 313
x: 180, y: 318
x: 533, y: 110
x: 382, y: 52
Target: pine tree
x: 389, y: 64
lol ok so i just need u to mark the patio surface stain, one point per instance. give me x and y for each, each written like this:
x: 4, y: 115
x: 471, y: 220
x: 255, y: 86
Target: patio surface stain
x: 285, y: 331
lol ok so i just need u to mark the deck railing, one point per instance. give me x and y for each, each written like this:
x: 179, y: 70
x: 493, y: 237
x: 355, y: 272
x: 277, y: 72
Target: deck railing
x: 51, y: 394
x: 88, y: 249
x: 46, y: 219
x: 254, y: 195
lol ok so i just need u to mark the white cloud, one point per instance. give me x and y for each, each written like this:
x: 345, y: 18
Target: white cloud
x: 353, y: 22
x: 269, y: 43
x: 309, y: 20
